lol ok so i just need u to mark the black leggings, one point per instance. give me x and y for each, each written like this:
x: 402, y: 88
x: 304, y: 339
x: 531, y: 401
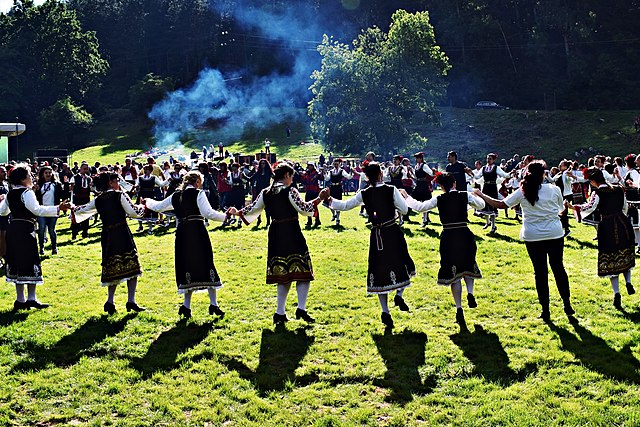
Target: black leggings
x: 538, y: 252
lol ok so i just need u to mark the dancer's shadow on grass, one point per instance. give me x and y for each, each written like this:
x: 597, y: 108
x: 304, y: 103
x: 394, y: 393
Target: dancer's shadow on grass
x: 163, y: 353
x: 503, y: 237
x: 8, y: 318
x: 80, y: 241
x: 403, y: 354
x: 581, y: 244
x: 594, y: 353
x: 633, y: 316
x: 72, y: 347
x: 490, y: 360
x: 430, y: 231
x: 280, y: 354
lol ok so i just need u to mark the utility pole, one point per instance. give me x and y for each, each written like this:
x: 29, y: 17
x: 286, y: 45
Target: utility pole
x: 17, y: 146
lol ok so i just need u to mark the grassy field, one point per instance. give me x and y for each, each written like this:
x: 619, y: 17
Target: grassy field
x: 72, y: 365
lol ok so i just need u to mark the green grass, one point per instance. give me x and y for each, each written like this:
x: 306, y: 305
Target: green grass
x: 71, y: 365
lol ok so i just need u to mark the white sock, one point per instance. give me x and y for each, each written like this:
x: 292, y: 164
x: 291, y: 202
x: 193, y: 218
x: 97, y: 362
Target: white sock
x: 111, y: 293
x: 337, y: 215
x: 493, y: 220
x: 627, y: 276
x: 283, y: 291
x: 20, y: 293
x: 456, y: 291
x: 384, y: 302
x: 425, y: 217
x: 469, y: 281
x: 400, y: 292
x: 187, y: 299
x: 615, y: 285
x: 132, y: 284
x: 302, y: 288
x: 31, y: 293
x: 213, y: 296
x: 637, y: 233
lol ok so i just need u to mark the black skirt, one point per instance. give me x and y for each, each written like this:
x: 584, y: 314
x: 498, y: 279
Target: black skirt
x: 490, y: 190
x: 390, y: 265
x: 23, y: 262
x: 457, y: 256
x: 422, y: 191
x: 119, y: 255
x: 288, y: 256
x: 335, y: 191
x: 194, y: 257
x: 616, y: 243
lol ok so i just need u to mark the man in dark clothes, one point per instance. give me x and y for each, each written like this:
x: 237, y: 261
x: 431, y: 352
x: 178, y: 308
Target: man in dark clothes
x: 458, y: 170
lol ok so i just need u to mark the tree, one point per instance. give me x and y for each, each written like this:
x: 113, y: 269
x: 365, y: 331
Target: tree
x: 64, y: 119
x: 147, y: 92
x: 366, y: 96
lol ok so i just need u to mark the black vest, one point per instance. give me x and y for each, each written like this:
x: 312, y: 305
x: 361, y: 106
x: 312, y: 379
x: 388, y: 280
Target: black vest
x: 110, y: 209
x: 17, y: 206
x: 185, y: 203
x: 611, y: 199
x: 378, y: 202
x: 452, y: 207
x: 278, y: 204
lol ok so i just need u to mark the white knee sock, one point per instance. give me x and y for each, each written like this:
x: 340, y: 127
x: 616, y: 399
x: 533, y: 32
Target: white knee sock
x: 20, y: 293
x: 111, y: 293
x: 637, y: 233
x: 615, y: 285
x: 627, y: 276
x: 337, y: 215
x: 384, y: 302
x: 283, y: 291
x: 493, y: 220
x: 302, y: 288
x: 132, y: 284
x: 456, y: 291
x: 213, y: 296
x: 400, y: 292
x: 469, y: 281
x: 187, y: 299
x: 31, y: 293
x: 425, y: 217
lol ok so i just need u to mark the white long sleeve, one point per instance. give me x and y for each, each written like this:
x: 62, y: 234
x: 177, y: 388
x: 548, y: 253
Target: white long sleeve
x: 501, y: 173
x: 303, y: 208
x: 475, y: 201
x: 345, y: 205
x: 252, y: 211
x: 206, y: 210
x: 160, y: 206
x: 31, y: 203
x: 84, y: 212
x: 425, y: 206
x: 4, y: 207
x: 425, y: 167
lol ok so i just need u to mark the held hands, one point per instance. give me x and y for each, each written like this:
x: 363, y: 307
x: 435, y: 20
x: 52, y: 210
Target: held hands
x: 65, y: 206
x: 324, y: 194
x: 231, y: 211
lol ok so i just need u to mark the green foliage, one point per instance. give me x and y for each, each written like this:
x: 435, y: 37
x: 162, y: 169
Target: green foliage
x: 64, y: 119
x: 365, y: 97
x: 148, y: 91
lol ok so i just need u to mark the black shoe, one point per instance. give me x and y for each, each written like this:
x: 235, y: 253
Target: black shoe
x: 617, y: 301
x: 568, y: 310
x: 184, y: 311
x: 85, y: 235
x: 460, y: 316
x: 54, y: 251
x: 279, y: 319
x: 20, y: 305
x: 387, y: 320
x: 259, y: 221
x: 41, y: 251
x: 73, y: 236
x: 545, y: 316
x: 135, y: 307
x: 214, y: 309
x: 109, y: 308
x: 399, y: 302
x: 317, y: 223
x: 471, y: 300
x: 630, y: 289
x: 302, y: 314
x: 32, y: 303
x: 309, y: 223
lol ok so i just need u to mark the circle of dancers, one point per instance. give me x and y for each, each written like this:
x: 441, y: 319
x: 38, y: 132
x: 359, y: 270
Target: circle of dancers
x: 603, y: 193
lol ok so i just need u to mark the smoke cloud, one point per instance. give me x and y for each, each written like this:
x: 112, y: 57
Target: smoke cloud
x: 231, y: 103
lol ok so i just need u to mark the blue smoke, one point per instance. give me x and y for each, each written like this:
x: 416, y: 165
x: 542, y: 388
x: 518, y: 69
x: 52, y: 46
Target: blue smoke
x: 237, y: 101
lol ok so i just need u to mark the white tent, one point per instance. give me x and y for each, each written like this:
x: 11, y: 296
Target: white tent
x: 9, y: 129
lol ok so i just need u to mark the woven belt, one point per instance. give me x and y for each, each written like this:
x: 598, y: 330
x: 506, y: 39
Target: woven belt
x: 490, y: 182
x: 30, y: 221
x: 192, y: 218
x: 281, y: 220
x: 378, y: 227
x: 119, y: 224
x: 454, y: 225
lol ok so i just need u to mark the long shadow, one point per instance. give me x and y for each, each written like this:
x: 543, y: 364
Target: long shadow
x: 80, y: 241
x: 487, y: 354
x: 280, y: 354
x: 503, y: 237
x: 633, y: 316
x: 163, y: 352
x: 10, y: 317
x: 431, y: 232
x: 583, y: 244
x: 407, y: 232
x: 403, y: 354
x: 72, y: 347
x: 597, y: 355
x: 339, y: 228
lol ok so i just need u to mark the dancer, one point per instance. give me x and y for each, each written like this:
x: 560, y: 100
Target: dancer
x: 81, y: 194
x: 147, y: 184
x: 193, y: 254
x: 615, y: 233
x: 489, y: 175
x: 49, y: 193
x: 119, y: 254
x: 288, y: 256
x: 236, y: 195
x: 259, y: 181
x: 4, y: 220
x: 335, y: 175
x: 23, y: 262
x: 541, y: 231
x: 390, y: 265
x: 422, y: 192
x: 311, y: 180
x: 457, y: 242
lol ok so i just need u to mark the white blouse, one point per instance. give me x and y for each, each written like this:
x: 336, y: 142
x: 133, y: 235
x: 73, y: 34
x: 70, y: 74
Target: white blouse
x: 203, y: 205
x: 539, y: 221
x: 31, y: 203
x: 85, y: 212
x: 251, y: 212
x: 345, y: 205
x: 473, y: 200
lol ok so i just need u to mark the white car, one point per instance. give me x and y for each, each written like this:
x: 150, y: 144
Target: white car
x: 490, y: 105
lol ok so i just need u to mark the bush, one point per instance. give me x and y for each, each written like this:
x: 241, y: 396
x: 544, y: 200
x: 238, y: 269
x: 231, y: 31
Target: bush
x: 148, y: 91
x: 64, y: 119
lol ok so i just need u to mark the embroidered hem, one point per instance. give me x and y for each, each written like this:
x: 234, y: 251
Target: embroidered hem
x: 390, y: 288
x: 304, y: 276
x: 447, y: 282
x: 25, y: 280
x: 198, y: 287
x: 118, y: 281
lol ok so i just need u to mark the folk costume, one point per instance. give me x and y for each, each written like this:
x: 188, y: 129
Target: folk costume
x: 457, y: 242
x: 335, y: 176
x: 119, y: 253
x: 49, y: 194
x: 194, y: 265
x: 424, y: 189
x: 81, y: 194
x: 616, y: 240
x: 22, y: 260
x: 390, y: 266
x: 489, y: 175
x: 288, y: 256
x: 632, y: 194
x: 311, y: 180
x: 147, y: 185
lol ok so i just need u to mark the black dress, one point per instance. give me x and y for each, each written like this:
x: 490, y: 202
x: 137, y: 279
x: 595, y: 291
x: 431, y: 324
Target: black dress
x: 193, y: 254
x: 288, y: 256
x: 616, y: 240
x: 335, y: 190
x: 395, y: 173
x: 119, y: 253
x: 390, y: 265
x: 236, y: 195
x: 490, y: 187
x: 147, y: 190
x: 422, y: 191
x: 457, y: 242
x: 23, y: 262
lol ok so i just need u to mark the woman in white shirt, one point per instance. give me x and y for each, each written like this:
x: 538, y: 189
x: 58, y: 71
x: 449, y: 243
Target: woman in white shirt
x: 49, y: 193
x: 541, y: 231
